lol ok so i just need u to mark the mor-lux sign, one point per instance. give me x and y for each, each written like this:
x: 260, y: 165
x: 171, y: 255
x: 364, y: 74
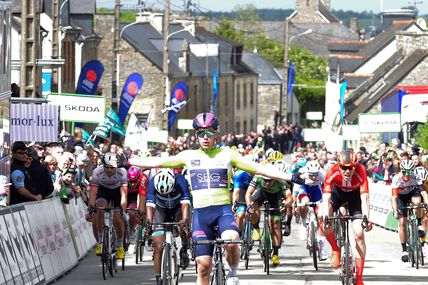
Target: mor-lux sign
x: 379, y: 123
x: 34, y: 122
x: 74, y: 108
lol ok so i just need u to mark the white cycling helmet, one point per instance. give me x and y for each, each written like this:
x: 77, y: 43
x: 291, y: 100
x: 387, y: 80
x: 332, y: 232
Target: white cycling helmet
x: 280, y: 165
x: 407, y: 165
x: 164, y: 181
x: 313, y: 167
x: 421, y: 172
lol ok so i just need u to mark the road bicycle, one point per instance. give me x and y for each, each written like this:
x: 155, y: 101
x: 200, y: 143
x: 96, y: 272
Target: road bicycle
x: 218, y: 276
x: 347, y: 271
x: 248, y: 242
x: 170, y: 269
x: 416, y: 256
x: 265, y: 245
x: 140, y: 237
x: 108, y: 253
x: 311, y: 232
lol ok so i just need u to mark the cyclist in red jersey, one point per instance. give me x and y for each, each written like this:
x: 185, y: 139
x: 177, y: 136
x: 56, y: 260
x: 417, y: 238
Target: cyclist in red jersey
x: 137, y: 193
x: 346, y: 181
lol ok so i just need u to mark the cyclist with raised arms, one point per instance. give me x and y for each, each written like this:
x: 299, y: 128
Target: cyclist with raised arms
x: 346, y: 182
x: 210, y: 170
x: 311, y: 182
x: 168, y: 200
x: 137, y: 192
x: 109, y: 187
x: 407, y: 187
x: 274, y: 191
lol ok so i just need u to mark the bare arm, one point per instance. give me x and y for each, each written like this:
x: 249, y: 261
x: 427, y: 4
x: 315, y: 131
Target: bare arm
x: 248, y: 194
x: 27, y: 194
x: 92, y: 195
x: 124, y: 197
x: 365, y: 205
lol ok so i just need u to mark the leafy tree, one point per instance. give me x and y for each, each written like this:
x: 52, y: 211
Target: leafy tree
x: 226, y: 30
x: 422, y: 135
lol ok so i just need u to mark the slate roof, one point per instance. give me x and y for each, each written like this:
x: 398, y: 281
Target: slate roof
x: 316, y: 42
x: 267, y: 73
x: 327, y: 13
x: 149, y: 42
x: 82, y: 7
x: 364, y: 98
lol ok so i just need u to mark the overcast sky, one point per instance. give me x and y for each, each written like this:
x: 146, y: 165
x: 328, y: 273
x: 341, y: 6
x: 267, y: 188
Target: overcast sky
x: 228, y: 5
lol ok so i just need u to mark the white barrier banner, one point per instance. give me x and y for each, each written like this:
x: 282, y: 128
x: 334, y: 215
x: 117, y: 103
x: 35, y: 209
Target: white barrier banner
x: 5, y: 253
x: 29, y: 243
x: 7, y: 246
x: 380, y: 206
x: 74, y: 225
x: 86, y: 227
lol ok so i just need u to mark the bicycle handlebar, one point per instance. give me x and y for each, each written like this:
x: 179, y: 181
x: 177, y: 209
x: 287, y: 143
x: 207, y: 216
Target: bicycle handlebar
x: 309, y: 204
x: 218, y: 242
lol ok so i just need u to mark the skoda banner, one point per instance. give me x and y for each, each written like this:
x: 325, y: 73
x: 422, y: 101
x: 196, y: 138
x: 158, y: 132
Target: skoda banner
x: 89, y: 77
x: 130, y: 90
x: 79, y: 108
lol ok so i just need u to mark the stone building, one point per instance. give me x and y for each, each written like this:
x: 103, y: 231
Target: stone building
x: 141, y: 50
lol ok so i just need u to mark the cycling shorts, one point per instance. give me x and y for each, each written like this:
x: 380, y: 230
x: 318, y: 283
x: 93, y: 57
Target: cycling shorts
x: 241, y: 209
x: 404, y: 199
x: 314, y: 196
x: 274, y: 200
x: 205, y: 221
x: 165, y: 215
x: 353, y: 198
x: 132, y: 199
x: 109, y: 195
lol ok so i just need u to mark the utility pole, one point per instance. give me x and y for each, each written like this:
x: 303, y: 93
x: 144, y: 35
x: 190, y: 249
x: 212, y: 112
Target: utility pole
x: 55, y: 42
x: 165, y: 65
x: 29, y: 42
x: 284, y: 96
x: 114, y: 74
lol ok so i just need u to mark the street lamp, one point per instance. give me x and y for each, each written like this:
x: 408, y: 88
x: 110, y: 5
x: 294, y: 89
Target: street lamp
x: 166, y: 63
x: 287, y: 43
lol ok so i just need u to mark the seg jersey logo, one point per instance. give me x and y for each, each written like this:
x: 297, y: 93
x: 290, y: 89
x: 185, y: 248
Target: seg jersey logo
x: 208, y: 178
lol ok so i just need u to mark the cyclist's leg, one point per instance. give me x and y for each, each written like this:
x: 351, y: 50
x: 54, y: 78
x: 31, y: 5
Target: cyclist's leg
x: 336, y: 201
x: 203, y: 220
x: 240, y: 215
x: 133, y: 216
x: 256, y: 200
x: 402, y: 201
x: 228, y: 230
x: 118, y: 222
x: 354, y: 202
x: 101, y: 202
x: 275, y: 223
x: 158, y: 237
x: 303, y: 212
x: 417, y: 201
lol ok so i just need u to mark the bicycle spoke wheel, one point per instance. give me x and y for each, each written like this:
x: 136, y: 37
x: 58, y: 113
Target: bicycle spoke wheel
x: 105, y: 254
x: 138, y: 244
x: 166, y: 265
x: 112, y: 254
x: 220, y: 278
x: 314, y: 244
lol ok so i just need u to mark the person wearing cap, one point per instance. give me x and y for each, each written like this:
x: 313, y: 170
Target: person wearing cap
x: 21, y: 188
x: 81, y: 179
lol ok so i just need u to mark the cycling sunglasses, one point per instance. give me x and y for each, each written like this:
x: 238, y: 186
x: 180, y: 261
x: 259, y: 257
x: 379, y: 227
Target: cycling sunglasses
x: 109, y: 167
x: 406, y: 172
x: 313, y: 175
x: 344, y: 168
x: 201, y: 134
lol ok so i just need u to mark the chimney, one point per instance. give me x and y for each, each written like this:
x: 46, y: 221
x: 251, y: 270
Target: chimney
x: 353, y: 24
x: 183, y: 61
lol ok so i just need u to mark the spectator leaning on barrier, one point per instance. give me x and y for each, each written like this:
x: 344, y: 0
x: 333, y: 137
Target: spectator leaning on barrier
x: 21, y: 189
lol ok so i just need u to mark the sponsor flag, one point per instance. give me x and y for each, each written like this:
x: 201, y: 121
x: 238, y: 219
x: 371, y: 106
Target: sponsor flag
x: 89, y: 77
x: 131, y: 88
x: 343, y: 87
x: 215, y: 91
x: 178, y: 101
x: 117, y: 126
x: 103, y: 128
x: 85, y: 135
x: 291, y: 79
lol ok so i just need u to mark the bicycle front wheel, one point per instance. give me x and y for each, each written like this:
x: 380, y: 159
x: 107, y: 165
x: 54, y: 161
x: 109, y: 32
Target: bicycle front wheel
x: 138, y: 241
x: 166, y: 265
x: 346, y: 265
x: 314, y: 244
x: 105, y: 253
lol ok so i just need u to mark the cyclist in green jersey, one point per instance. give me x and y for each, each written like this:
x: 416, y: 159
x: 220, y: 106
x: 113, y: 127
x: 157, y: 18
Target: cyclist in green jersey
x: 264, y: 188
x: 210, y: 169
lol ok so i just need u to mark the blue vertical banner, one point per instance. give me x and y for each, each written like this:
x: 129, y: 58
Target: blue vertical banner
x: 131, y: 88
x: 215, y: 91
x: 178, y: 96
x: 291, y: 79
x: 46, y: 82
x: 343, y: 88
x: 89, y: 77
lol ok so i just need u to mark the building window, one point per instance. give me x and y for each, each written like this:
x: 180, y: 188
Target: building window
x: 252, y: 94
x: 238, y: 127
x: 238, y: 96
x: 244, y: 93
x: 245, y: 130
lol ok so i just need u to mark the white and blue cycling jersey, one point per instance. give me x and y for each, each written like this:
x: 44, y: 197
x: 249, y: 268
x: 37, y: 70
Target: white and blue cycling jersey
x: 241, y: 181
x: 179, y: 195
x: 308, y: 187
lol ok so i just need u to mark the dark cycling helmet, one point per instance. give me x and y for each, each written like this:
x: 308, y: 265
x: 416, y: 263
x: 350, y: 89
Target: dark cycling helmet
x: 134, y: 173
x: 347, y: 157
x: 110, y: 159
x: 205, y: 120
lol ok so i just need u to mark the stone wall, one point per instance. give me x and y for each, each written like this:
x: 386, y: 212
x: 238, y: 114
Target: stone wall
x: 307, y: 12
x: 268, y: 103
